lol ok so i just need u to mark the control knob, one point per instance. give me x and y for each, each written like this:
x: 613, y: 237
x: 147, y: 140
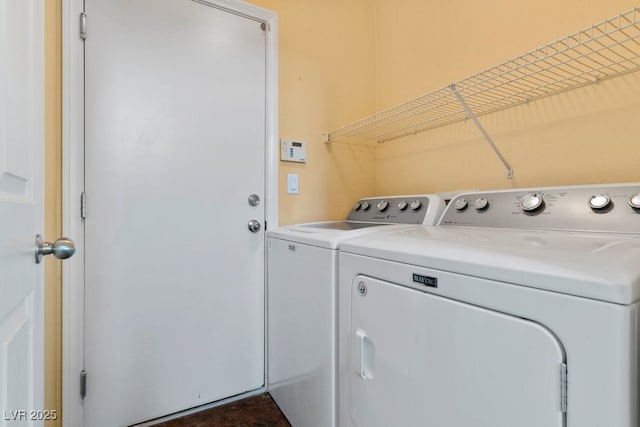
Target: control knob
x: 481, y: 204
x: 634, y: 201
x: 461, y: 204
x: 382, y: 205
x: 415, y: 205
x: 599, y: 201
x: 402, y: 205
x: 357, y: 206
x: 531, y: 203
x: 366, y: 206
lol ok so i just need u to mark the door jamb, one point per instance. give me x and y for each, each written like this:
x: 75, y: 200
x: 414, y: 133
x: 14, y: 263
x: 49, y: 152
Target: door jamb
x: 73, y: 179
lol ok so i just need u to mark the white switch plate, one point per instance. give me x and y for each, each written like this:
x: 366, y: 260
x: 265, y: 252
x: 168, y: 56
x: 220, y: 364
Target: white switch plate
x: 293, y: 151
x: 292, y: 183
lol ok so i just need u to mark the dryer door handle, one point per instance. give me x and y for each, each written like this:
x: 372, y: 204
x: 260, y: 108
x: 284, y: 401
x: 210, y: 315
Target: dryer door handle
x: 363, y: 372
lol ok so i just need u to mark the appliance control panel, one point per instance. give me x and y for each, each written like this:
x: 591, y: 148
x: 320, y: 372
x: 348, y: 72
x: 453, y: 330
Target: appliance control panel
x: 414, y: 209
x: 607, y: 208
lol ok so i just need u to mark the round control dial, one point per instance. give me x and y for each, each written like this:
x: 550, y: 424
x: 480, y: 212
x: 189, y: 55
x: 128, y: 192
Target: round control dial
x: 357, y: 206
x: 382, y: 205
x: 531, y: 202
x: 634, y: 201
x: 415, y: 205
x: 402, y: 205
x: 366, y: 206
x: 599, y: 201
x: 461, y: 204
x: 481, y: 204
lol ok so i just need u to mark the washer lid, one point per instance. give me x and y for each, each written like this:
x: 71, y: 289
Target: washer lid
x: 367, y: 216
x: 600, y: 266
x: 341, y: 225
x: 329, y: 234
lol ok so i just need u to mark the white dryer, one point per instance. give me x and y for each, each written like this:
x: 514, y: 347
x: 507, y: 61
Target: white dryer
x: 301, y: 296
x: 519, y: 310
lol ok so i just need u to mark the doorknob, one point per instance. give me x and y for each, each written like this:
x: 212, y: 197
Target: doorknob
x: 62, y: 248
x: 254, y: 226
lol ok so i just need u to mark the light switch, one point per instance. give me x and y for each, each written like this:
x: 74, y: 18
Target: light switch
x: 292, y: 183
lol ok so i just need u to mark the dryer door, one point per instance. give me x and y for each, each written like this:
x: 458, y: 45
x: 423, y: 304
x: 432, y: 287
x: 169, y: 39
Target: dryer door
x: 419, y: 359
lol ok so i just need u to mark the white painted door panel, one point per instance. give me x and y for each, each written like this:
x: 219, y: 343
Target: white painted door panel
x: 175, y: 137
x: 418, y: 359
x: 21, y: 204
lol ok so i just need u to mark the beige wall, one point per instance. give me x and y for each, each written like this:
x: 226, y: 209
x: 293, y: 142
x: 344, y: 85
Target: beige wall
x: 326, y: 79
x: 342, y: 60
x: 588, y: 135
x: 53, y: 206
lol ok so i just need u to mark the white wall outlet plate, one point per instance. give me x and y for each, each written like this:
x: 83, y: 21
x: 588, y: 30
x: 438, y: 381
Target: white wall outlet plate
x: 292, y: 183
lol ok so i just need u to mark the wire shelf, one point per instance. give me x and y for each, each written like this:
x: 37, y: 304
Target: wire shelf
x: 604, y: 50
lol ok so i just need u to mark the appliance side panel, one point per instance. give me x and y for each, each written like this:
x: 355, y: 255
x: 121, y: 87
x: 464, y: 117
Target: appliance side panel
x: 300, y: 331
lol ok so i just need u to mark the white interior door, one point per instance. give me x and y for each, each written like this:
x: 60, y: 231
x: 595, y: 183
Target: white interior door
x: 21, y: 215
x: 419, y: 359
x: 175, y: 144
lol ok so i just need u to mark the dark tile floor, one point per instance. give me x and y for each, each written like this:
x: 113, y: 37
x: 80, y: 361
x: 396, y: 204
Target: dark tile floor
x: 256, y: 411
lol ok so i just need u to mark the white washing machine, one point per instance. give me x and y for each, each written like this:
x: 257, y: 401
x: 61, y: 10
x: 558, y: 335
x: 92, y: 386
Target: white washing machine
x: 519, y: 310
x: 301, y: 296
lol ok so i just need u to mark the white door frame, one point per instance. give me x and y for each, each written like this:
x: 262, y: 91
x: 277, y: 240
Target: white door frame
x: 73, y: 178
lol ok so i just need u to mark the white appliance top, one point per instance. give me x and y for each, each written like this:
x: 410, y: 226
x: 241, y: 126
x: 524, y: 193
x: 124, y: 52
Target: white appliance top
x: 366, y: 216
x: 582, y: 240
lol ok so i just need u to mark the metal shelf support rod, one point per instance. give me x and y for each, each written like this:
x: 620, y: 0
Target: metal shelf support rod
x: 484, y: 133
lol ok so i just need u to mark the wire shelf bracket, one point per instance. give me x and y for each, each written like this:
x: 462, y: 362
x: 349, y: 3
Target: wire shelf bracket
x: 484, y: 133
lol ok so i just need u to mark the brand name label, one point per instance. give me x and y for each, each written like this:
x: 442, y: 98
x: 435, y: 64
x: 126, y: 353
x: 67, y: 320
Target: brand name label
x: 429, y: 281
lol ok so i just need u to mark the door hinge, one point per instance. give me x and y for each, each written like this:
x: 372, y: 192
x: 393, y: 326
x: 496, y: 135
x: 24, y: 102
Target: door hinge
x: 83, y: 384
x: 83, y: 205
x: 83, y: 26
x: 563, y: 387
